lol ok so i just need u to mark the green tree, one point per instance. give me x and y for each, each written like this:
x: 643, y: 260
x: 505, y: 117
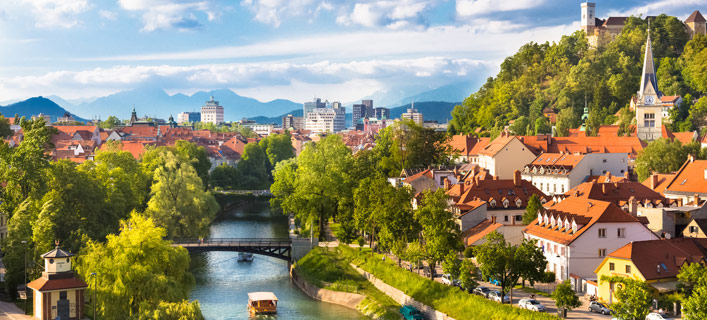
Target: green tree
x: 252, y: 167
x: 182, y: 310
x: 519, y: 126
x: 564, y: 296
x: 198, y: 157
x: 277, y: 147
x: 452, y: 265
x: 542, y: 125
x: 179, y: 203
x: 439, y: 232
x: 5, y: 130
x: 662, y: 155
x: 19, y: 228
x: 468, y: 275
x: 110, y: 122
x: 693, y: 284
x: 225, y: 177
x: 698, y: 112
x: 136, y: 270
x: 566, y: 120
x: 283, y: 186
x: 633, y: 298
x: 531, y: 210
x: 507, y: 263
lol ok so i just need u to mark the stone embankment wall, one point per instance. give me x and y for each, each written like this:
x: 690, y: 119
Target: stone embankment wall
x: 350, y: 300
x: 401, y: 298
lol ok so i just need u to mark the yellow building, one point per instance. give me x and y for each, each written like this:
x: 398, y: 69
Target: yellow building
x: 58, y: 294
x: 656, y: 262
x: 697, y: 228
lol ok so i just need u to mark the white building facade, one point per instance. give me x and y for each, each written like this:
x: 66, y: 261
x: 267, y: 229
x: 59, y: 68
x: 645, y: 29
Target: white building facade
x: 557, y: 173
x: 322, y: 120
x: 212, y: 112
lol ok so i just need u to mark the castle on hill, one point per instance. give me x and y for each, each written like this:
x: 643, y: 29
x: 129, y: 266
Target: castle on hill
x: 602, y: 31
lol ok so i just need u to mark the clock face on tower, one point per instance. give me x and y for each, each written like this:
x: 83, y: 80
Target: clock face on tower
x: 649, y: 100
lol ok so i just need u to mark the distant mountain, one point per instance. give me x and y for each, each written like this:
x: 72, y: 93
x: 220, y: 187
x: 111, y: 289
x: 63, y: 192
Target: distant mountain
x: 35, y: 106
x: 452, y: 92
x: 155, y: 102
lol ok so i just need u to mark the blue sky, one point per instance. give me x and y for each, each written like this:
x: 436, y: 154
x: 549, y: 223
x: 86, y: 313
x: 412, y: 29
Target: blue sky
x: 270, y: 49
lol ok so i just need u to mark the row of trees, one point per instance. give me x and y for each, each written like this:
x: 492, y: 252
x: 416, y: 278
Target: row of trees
x: 254, y: 171
x: 569, y: 75
x: 85, y: 205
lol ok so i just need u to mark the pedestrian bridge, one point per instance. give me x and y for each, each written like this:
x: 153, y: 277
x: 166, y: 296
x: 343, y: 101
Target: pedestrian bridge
x: 281, y: 248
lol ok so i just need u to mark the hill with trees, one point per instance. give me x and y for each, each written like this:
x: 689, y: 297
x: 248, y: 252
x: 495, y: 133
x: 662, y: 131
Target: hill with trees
x: 568, y: 75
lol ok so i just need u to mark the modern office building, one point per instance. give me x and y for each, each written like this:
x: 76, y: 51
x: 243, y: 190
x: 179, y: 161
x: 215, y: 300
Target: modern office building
x: 212, y: 112
x: 291, y: 122
x: 321, y: 120
x: 369, y: 107
x: 184, y: 117
x: 381, y: 113
x: 309, y: 106
x: 413, y: 115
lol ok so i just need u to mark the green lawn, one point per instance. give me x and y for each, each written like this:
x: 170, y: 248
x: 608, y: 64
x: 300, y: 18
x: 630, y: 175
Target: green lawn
x: 327, y: 269
x: 450, y: 300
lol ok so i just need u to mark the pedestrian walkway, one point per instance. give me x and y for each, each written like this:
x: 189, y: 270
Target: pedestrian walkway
x: 9, y: 311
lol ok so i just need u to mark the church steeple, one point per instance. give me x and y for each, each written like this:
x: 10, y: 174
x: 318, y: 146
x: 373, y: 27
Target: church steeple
x: 649, y: 83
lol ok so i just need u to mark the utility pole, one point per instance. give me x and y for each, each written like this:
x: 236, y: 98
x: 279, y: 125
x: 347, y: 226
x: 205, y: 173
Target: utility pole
x: 25, y: 288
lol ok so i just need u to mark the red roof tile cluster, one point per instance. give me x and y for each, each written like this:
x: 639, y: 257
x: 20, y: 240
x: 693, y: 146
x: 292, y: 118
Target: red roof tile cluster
x: 661, y: 259
x: 619, y: 193
x: 479, y: 231
x: 499, y: 194
x: 690, y: 179
x: 45, y: 284
x: 601, y: 144
x: 468, y: 145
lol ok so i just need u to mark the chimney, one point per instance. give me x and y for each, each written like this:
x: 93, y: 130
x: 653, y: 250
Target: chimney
x: 633, y: 206
x: 627, y: 176
x: 493, y: 219
x: 654, y: 181
x: 516, y: 178
x: 697, y: 199
x: 445, y: 182
x: 603, y: 188
x: 495, y: 177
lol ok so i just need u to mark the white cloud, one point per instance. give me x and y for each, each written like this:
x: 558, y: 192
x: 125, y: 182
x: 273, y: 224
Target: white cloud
x: 273, y: 11
x: 483, y: 7
x: 171, y: 14
x: 392, y: 14
x: 657, y: 7
x: 108, y: 15
x: 57, y: 13
x: 293, y: 80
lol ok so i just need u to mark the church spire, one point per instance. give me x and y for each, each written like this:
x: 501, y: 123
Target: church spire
x: 649, y: 83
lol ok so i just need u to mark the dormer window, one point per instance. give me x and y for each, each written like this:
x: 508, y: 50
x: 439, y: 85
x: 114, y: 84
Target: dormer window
x: 505, y: 203
x: 493, y: 203
x: 574, y: 226
x: 518, y: 203
x: 552, y: 221
x: 540, y: 218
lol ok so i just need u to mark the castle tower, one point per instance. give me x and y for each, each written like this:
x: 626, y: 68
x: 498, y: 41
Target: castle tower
x: 696, y: 23
x: 58, y: 294
x: 649, y: 109
x: 588, y: 17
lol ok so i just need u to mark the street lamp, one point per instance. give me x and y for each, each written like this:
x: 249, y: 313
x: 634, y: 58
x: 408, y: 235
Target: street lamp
x: 95, y: 295
x: 25, y: 288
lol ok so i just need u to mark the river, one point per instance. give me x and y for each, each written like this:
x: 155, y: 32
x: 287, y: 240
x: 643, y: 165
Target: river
x: 223, y: 283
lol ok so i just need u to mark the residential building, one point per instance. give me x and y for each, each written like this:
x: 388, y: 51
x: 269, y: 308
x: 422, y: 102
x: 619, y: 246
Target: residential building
x: 696, y: 228
x: 655, y: 262
x: 467, y: 148
x: 504, y: 155
x: 577, y: 234
x: 322, y: 120
x: 47, y: 118
x: 429, y: 180
x: 309, y: 106
x: 373, y: 125
x: 604, y: 143
x: 689, y: 183
x: 550, y: 114
x: 413, y: 115
x: 291, y: 122
x: 261, y: 129
x: 649, y: 108
x: 556, y: 173
x: 212, y: 112
x: 188, y: 117
x: 381, y: 113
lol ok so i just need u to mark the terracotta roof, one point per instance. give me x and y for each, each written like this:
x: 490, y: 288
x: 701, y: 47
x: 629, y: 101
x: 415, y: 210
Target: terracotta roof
x: 497, y: 145
x: 557, y: 159
x: 668, y: 254
x: 468, y: 145
x: 618, y: 193
x: 44, y: 284
x: 665, y: 99
x: 584, y: 212
x: 136, y: 148
x: 426, y: 173
x: 662, y: 181
x: 606, y: 178
x: 479, y: 231
x: 70, y: 130
x: 683, y: 137
x: 691, y: 178
x: 482, y: 187
x: 601, y: 144
x: 139, y: 131
x: 695, y: 16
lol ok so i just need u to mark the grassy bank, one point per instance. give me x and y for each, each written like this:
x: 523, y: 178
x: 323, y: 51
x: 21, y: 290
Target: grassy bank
x: 450, y: 300
x: 327, y: 269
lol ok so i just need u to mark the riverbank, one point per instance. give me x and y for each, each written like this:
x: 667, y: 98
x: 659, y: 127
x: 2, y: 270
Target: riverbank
x: 325, y: 268
x: 449, y: 300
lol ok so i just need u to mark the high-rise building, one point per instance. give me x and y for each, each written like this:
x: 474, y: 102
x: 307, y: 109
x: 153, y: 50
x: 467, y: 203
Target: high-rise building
x: 309, y: 106
x: 321, y: 120
x: 369, y: 107
x: 212, y: 112
x: 381, y: 113
x: 291, y: 122
x: 184, y: 117
x: 413, y: 115
x: 649, y: 115
x: 359, y: 111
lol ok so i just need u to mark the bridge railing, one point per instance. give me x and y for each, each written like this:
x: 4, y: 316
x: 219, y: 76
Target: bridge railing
x: 234, y: 241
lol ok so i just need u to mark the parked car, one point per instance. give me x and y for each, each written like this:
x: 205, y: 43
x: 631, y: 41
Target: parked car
x: 599, y: 307
x: 457, y: 283
x: 496, y: 296
x: 411, y: 313
x: 447, y: 279
x: 531, y: 304
x: 495, y: 282
x: 481, y: 291
x: 657, y: 316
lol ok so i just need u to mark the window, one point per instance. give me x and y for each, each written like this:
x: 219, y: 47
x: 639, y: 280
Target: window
x: 562, y: 187
x: 505, y: 218
x: 602, y: 252
x: 562, y: 251
x: 554, y: 188
x: 519, y: 218
x: 621, y: 232
x: 649, y: 119
x: 693, y: 229
x: 628, y: 269
x: 602, y: 233
x: 611, y: 266
x: 603, y: 160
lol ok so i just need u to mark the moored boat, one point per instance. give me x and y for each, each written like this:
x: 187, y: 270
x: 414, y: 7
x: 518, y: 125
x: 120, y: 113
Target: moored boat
x: 262, y: 302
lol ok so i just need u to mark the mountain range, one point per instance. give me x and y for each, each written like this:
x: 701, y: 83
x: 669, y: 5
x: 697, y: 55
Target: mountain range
x: 35, y: 106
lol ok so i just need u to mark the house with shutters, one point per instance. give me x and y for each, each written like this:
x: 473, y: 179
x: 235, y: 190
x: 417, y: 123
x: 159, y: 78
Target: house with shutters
x: 577, y: 234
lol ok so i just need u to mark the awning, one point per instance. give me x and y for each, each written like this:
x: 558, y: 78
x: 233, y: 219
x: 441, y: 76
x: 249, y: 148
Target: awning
x: 662, y: 287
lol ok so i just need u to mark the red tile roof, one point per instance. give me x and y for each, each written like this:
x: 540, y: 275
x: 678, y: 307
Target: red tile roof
x: 479, y: 231
x: 482, y: 188
x: 497, y: 145
x: 668, y: 255
x: 662, y: 181
x: 467, y: 144
x: 44, y: 284
x: 695, y: 16
x: 618, y: 193
x: 600, y: 144
x: 690, y: 179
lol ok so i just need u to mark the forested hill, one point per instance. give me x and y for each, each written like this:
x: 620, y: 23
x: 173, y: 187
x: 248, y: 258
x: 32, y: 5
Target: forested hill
x: 564, y: 75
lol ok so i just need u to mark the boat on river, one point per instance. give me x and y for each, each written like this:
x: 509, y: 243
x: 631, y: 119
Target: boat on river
x: 262, y: 302
x: 245, y: 256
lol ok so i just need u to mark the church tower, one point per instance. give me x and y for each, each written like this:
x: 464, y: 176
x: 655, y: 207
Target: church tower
x: 649, y: 109
x: 588, y: 17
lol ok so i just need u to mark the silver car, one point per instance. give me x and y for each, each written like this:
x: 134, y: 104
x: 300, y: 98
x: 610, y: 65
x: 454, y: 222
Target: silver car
x: 496, y: 296
x: 599, y: 307
x: 531, y: 304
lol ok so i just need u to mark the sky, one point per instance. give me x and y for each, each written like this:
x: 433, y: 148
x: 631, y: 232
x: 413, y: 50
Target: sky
x: 270, y: 49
